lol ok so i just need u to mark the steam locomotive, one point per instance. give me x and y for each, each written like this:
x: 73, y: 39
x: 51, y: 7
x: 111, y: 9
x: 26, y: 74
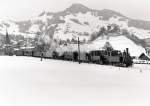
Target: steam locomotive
x: 113, y: 57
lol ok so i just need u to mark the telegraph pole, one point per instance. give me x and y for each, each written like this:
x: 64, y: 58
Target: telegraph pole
x: 26, y: 42
x: 7, y: 44
x: 79, y: 50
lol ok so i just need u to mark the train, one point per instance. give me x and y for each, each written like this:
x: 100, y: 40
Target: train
x: 102, y: 57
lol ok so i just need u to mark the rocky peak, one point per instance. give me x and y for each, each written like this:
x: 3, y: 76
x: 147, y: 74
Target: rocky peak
x: 75, y: 8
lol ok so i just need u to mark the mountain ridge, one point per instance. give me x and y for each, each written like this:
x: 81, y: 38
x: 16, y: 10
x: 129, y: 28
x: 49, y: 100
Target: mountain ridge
x: 75, y: 21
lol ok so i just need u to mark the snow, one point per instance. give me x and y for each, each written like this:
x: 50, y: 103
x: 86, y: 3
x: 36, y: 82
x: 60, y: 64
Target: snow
x: 75, y: 29
x: 34, y: 28
x: 94, y: 25
x: 43, y: 18
x: 122, y: 24
x: 27, y: 81
x: 140, y: 33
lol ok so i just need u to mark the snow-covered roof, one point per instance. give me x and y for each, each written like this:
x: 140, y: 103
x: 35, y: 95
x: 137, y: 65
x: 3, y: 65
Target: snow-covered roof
x: 29, y: 47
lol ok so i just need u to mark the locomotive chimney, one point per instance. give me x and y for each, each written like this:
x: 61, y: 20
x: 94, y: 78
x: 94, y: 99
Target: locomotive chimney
x: 127, y: 50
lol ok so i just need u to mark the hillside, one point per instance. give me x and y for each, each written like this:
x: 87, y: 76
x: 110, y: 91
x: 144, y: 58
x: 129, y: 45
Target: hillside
x: 75, y: 21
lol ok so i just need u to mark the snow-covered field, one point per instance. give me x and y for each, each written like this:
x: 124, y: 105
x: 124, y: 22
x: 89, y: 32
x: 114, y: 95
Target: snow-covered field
x: 27, y: 81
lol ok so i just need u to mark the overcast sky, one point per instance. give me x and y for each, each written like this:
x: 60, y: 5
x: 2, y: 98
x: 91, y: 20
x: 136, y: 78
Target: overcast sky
x: 26, y: 9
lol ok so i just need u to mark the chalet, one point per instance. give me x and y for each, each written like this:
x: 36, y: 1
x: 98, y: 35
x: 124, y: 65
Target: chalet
x: 144, y: 57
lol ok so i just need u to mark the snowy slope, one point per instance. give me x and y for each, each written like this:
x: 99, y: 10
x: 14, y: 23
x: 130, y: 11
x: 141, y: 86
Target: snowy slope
x: 80, y: 24
x: 29, y: 82
x: 84, y: 25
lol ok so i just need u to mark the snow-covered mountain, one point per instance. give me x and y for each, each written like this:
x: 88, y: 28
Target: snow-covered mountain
x: 78, y: 21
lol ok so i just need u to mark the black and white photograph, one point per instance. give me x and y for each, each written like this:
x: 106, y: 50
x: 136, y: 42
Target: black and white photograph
x: 74, y: 53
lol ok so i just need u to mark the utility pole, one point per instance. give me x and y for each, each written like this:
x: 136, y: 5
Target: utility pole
x: 79, y: 50
x: 7, y: 44
x: 26, y: 42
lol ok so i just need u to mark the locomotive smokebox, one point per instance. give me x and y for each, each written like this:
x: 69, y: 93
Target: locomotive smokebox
x: 127, y: 50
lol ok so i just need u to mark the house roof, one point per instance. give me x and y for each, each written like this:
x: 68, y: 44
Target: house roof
x: 144, y: 57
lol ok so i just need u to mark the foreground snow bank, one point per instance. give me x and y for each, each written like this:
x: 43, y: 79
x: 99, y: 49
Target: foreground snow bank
x: 26, y: 81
